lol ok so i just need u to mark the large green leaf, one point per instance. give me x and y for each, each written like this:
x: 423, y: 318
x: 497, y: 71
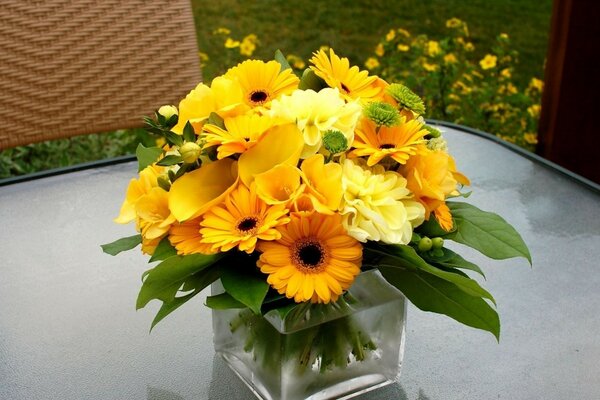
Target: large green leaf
x: 123, y: 244
x: 280, y: 58
x: 310, y: 80
x: 399, y: 256
x: 168, y: 308
x: 223, y: 301
x: 146, y: 155
x: 244, y: 285
x: 450, y: 259
x: 196, y: 283
x: 486, y: 232
x: 163, y: 251
x: 432, y: 293
x: 163, y: 281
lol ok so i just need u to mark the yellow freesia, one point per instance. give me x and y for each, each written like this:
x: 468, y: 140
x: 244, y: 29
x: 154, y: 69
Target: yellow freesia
x: 324, y: 183
x: 136, y: 189
x: 280, y: 145
x: 195, y: 192
x: 154, y: 214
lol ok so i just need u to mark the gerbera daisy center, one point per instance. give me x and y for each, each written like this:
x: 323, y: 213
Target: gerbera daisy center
x: 259, y: 96
x: 309, y: 255
x: 247, y: 224
x: 386, y: 146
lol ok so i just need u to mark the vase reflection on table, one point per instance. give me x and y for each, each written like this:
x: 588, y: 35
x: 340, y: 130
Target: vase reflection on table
x: 317, y: 352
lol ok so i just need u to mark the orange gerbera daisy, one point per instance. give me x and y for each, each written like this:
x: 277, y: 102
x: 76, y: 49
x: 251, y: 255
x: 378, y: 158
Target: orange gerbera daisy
x: 337, y: 73
x: 262, y: 81
x: 398, y: 141
x: 241, y: 220
x: 186, y: 238
x: 315, y: 259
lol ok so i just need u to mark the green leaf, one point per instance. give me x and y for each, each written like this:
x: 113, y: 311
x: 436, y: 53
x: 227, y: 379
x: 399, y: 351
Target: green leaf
x: 245, y: 286
x: 168, y: 308
x: 174, y: 138
x: 431, y: 228
x: 450, y: 259
x: 310, y: 80
x: 223, y: 301
x: 123, y: 244
x: 400, y: 255
x: 188, y: 132
x: 163, y: 281
x: 486, y: 232
x: 170, y: 160
x: 196, y: 283
x: 431, y: 293
x: 280, y: 58
x: 215, y: 119
x: 163, y: 251
x: 146, y: 155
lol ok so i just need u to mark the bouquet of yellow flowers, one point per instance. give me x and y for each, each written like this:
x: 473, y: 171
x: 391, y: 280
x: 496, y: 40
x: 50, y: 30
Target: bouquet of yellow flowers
x: 280, y: 190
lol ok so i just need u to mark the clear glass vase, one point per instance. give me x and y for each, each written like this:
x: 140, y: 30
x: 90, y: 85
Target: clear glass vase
x: 317, y: 352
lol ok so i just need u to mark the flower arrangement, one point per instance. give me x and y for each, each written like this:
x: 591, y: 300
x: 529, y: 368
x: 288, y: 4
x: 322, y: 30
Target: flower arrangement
x: 285, y: 188
x: 459, y: 86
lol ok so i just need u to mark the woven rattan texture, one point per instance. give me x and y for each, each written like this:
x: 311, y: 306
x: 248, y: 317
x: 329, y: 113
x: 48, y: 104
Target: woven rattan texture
x: 84, y: 66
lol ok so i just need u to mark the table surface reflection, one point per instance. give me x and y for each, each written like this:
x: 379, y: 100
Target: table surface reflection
x: 69, y: 329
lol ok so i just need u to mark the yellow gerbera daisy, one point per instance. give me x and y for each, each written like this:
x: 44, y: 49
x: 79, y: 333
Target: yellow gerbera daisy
x: 239, y: 135
x: 186, y: 238
x: 315, y: 259
x: 336, y: 71
x: 262, y: 81
x: 399, y: 141
x: 241, y: 220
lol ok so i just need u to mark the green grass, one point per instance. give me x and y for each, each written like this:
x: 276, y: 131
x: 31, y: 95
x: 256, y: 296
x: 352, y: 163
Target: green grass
x: 352, y: 28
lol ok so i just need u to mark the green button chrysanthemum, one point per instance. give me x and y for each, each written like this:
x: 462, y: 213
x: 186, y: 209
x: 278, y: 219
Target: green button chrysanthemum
x: 335, y: 142
x: 383, y: 114
x: 406, y: 98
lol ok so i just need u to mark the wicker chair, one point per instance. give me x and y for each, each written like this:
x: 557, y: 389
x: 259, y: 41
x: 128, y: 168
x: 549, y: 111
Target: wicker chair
x: 72, y: 67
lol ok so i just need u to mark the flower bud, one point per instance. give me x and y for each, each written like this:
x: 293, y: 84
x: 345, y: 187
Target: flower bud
x: 437, y: 242
x: 425, y: 244
x: 168, y: 111
x: 190, y: 152
x: 335, y: 142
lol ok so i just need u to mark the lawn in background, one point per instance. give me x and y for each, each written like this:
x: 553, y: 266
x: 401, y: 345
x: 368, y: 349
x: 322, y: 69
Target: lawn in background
x: 352, y: 28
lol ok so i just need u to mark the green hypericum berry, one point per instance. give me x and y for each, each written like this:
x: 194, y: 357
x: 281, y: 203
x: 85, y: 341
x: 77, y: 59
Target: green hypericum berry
x: 437, y: 242
x: 335, y: 142
x: 425, y: 244
x: 383, y: 114
x: 406, y: 98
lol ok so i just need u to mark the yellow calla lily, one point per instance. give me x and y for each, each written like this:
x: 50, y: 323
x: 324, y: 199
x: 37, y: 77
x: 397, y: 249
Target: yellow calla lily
x: 195, y: 192
x: 280, y: 145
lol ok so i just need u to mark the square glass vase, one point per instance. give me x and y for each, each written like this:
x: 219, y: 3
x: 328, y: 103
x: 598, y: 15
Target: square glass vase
x: 317, y: 351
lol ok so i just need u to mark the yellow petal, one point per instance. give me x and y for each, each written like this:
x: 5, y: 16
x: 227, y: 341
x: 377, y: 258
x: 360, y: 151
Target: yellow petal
x: 278, y: 185
x: 195, y: 192
x: 280, y: 145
